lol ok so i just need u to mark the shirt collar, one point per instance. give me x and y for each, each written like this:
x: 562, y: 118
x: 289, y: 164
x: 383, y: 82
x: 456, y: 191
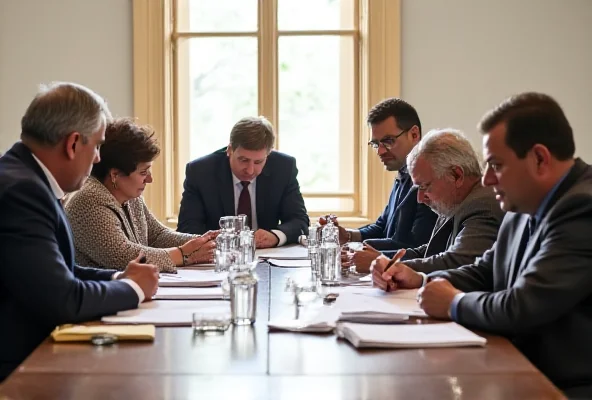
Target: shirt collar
x: 539, y: 213
x: 237, y: 181
x: 55, y: 187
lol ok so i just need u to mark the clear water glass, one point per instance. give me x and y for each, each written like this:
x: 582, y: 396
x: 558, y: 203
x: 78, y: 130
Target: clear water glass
x: 351, y: 249
x: 210, y: 322
x: 243, y: 296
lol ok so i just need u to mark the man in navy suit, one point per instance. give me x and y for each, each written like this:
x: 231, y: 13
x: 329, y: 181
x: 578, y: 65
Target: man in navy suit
x: 62, y: 131
x: 246, y: 177
x: 396, y: 129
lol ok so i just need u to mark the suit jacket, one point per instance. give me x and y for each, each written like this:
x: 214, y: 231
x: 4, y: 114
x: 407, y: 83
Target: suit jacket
x: 107, y: 233
x: 404, y: 222
x: 209, y: 195
x: 40, y: 286
x: 459, y: 239
x: 542, y: 300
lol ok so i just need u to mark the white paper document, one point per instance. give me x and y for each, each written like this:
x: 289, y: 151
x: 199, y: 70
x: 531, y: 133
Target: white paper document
x: 405, y: 300
x: 357, y: 308
x: 291, y: 252
x: 185, y: 293
x: 192, y: 278
x: 288, y: 263
x: 409, y: 335
x: 167, y: 313
x: 322, y: 320
x: 197, y: 266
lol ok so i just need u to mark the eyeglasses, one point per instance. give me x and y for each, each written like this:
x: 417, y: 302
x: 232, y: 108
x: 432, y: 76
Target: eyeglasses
x: 387, y: 142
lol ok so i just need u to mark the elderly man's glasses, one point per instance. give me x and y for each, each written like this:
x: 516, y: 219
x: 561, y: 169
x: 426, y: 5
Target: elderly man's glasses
x: 387, y: 142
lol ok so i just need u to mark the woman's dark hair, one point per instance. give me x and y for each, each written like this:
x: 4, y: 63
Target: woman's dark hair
x: 127, y: 144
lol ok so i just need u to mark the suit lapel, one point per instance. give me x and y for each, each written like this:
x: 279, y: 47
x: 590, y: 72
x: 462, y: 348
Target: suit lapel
x: 515, y: 263
x: 399, y: 204
x: 441, y: 228
x: 263, y: 187
x: 226, y: 189
x: 66, y: 225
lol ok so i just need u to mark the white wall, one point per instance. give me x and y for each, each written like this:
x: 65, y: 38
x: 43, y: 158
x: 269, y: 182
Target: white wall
x: 85, y: 41
x: 462, y: 57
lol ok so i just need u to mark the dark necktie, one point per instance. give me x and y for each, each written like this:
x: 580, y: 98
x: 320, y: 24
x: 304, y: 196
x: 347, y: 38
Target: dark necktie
x: 244, y: 202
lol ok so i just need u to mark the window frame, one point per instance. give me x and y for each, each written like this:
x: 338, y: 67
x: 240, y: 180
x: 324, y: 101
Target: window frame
x: 379, y: 70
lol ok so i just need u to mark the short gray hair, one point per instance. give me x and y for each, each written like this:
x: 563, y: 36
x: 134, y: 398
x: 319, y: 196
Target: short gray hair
x: 444, y: 149
x: 61, y: 108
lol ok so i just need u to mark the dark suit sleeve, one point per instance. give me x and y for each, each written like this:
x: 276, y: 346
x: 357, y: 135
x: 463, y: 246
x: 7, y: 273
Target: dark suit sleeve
x: 477, y: 234
x: 192, y: 215
x: 553, y: 282
x: 468, y: 278
x: 293, y: 215
x: 378, y: 228
x: 34, y: 271
x: 93, y: 274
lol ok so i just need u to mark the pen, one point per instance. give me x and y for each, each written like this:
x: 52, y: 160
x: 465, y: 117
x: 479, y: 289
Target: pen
x: 398, y: 256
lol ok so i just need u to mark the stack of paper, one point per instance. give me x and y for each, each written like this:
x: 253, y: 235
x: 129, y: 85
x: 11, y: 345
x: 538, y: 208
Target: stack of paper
x: 357, y: 308
x: 192, y: 278
x: 289, y: 263
x: 184, y: 293
x: 323, y: 320
x: 168, y: 313
x: 404, y: 300
x: 409, y: 335
x: 199, y: 267
x: 291, y: 252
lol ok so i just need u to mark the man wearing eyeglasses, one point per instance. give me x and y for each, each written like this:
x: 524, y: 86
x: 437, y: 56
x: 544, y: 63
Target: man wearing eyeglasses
x: 395, y: 129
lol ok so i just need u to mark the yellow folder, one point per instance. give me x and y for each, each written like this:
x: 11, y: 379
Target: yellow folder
x: 84, y: 333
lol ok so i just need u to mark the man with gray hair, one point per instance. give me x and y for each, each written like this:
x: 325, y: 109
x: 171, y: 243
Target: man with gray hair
x: 62, y: 131
x: 446, y: 171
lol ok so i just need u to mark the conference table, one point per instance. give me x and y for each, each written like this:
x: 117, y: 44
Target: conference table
x: 250, y: 362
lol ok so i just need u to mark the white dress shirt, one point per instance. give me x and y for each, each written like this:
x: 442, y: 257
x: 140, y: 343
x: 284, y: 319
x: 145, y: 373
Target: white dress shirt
x: 238, y: 188
x: 59, y: 194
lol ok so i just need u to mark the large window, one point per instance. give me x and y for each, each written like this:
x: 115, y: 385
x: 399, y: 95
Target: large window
x: 306, y: 65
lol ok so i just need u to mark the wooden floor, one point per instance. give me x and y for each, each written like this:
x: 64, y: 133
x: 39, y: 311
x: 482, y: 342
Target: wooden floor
x: 252, y: 363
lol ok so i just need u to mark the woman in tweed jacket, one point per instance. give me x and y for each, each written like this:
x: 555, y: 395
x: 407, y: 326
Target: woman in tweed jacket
x: 110, y: 221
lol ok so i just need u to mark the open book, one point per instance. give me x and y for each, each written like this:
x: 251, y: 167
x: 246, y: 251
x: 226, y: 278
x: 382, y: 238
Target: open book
x: 409, y: 335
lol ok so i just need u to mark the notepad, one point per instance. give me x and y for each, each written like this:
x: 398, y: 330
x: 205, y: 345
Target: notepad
x: 192, y: 278
x: 409, y: 335
x: 185, y: 293
x: 83, y: 333
x: 199, y: 267
x: 405, y: 300
x: 357, y: 308
x: 291, y: 252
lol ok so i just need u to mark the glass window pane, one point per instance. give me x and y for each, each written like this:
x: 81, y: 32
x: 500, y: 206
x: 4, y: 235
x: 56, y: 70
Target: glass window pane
x: 315, y: 14
x: 315, y: 205
x: 217, y: 15
x: 217, y: 93
x: 316, y: 110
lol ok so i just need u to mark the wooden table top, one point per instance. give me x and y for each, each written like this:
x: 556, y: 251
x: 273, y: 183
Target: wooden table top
x: 250, y: 362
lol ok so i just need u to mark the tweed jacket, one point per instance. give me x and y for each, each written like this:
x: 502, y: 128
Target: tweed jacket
x: 109, y: 235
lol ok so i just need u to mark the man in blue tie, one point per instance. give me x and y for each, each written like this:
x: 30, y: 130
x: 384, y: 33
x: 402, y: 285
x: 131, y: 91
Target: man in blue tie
x: 404, y: 223
x: 42, y: 287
